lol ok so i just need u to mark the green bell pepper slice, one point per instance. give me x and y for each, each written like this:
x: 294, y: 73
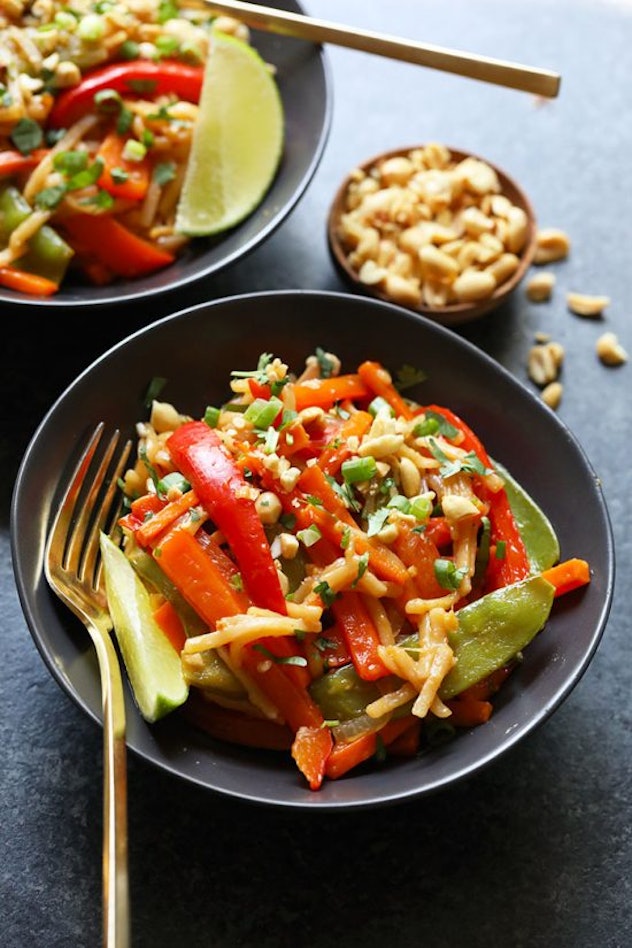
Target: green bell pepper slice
x: 48, y: 255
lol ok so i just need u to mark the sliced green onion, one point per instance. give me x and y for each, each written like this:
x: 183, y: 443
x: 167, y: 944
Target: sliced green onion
x: 380, y: 404
x: 65, y: 21
x: 129, y: 50
x: 263, y: 412
x: 357, y: 470
x: 211, y: 416
x: 164, y: 172
x: 119, y: 175
x: 420, y: 507
x: 399, y: 502
x: 134, y: 150
x: 501, y: 549
x: 309, y: 536
x: 91, y: 28
x: 429, y: 426
x: 174, y: 480
x: 108, y: 100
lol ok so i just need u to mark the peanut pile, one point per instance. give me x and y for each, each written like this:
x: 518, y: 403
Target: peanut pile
x: 429, y: 230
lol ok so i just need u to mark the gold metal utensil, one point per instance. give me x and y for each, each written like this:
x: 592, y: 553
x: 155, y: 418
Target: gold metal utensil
x: 540, y: 82
x: 72, y: 567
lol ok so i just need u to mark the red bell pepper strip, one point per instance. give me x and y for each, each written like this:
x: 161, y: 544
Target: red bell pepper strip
x: 122, y: 252
x: 24, y: 282
x: 198, y: 453
x: 138, y: 173
x: 133, y: 79
x: 13, y: 162
x: 140, y: 510
x: 514, y: 564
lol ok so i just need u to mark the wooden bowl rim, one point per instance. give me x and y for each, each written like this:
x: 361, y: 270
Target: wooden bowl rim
x: 454, y: 313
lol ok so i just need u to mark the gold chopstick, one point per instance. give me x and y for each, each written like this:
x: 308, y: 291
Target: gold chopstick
x: 540, y: 82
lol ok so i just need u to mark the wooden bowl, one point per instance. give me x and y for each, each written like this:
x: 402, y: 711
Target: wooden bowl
x: 452, y: 313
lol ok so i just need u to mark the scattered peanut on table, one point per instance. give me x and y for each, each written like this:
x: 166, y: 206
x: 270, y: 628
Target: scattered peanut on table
x: 428, y: 229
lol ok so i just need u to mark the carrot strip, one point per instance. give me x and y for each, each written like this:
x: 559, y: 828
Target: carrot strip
x: 171, y: 624
x: 407, y: 744
x: 25, y: 282
x: 378, y: 380
x: 148, y: 533
x: 567, y: 576
x: 324, y: 393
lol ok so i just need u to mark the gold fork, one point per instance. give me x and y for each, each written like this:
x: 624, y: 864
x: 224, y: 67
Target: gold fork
x: 73, y: 571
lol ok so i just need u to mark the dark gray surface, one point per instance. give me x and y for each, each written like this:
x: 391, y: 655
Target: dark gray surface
x: 536, y: 850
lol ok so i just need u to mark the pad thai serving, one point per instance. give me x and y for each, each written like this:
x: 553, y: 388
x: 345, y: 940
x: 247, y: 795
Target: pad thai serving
x: 98, y: 101
x: 343, y: 573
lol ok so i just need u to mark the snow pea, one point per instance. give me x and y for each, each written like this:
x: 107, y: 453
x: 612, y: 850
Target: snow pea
x: 48, y: 255
x: 491, y: 631
x: 494, y: 629
x: 538, y: 535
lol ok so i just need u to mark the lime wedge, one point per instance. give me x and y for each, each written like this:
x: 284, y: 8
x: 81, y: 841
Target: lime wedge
x: 153, y: 666
x: 237, y: 141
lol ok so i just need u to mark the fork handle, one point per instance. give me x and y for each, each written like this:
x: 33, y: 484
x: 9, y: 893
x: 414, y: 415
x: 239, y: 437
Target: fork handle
x: 116, y: 914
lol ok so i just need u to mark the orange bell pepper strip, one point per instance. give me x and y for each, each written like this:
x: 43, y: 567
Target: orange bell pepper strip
x: 311, y: 749
x: 137, y: 173
x: 197, y: 452
x: 324, y: 393
x: 567, y: 576
x: 24, y: 282
x: 117, y: 248
x: 379, y: 382
x: 171, y: 624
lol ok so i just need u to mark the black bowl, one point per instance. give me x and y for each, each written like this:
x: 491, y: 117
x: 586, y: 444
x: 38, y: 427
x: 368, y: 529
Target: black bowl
x: 195, y: 350
x: 305, y: 86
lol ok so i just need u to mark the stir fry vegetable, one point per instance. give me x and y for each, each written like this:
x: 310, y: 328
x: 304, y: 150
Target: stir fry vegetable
x: 340, y: 569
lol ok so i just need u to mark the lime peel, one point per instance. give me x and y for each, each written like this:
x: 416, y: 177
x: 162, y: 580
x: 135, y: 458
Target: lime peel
x: 153, y: 666
x: 237, y: 141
